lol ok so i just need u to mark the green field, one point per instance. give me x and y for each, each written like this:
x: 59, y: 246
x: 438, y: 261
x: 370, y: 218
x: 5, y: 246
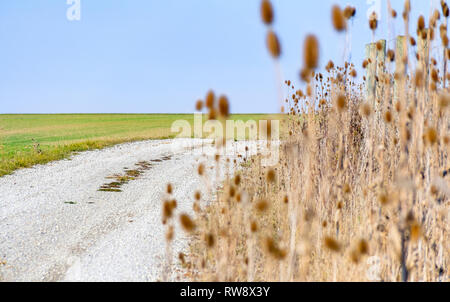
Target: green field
x: 29, y: 139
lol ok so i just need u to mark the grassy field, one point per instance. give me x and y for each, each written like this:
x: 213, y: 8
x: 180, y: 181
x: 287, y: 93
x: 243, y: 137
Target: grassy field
x: 26, y: 140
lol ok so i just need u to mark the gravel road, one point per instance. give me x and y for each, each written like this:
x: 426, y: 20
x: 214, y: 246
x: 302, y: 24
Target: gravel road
x: 55, y: 224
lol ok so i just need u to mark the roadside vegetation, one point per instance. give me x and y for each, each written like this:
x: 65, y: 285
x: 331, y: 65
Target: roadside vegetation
x: 361, y: 189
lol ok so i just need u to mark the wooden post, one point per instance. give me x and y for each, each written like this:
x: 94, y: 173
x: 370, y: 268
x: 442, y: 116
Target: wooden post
x: 381, y: 54
x: 381, y: 68
x: 371, y: 71
x: 377, y: 60
x: 399, y: 65
x: 424, y: 55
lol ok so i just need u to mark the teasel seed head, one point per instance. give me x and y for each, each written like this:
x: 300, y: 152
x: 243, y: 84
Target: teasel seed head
x: 238, y: 197
x: 199, y: 105
x: 365, y: 63
x: 407, y: 7
x: 346, y: 189
x: 201, y: 169
x: 237, y: 180
x: 332, y: 244
x: 210, y: 98
x: 445, y: 10
x: 270, y: 176
x: 210, y: 240
x: 262, y: 205
x: 379, y: 46
x: 363, y: 247
x: 398, y: 106
x: 254, y: 226
x: 182, y: 258
x: 393, y: 13
x: 434, y: 75
x: 420, y: 23
x: 349, y: 12
x: 329, y: 66
x: 169, y: 188
x: 267, y: 12
x: 311, y: 52
x: 187, y: 223
x: 274, y: 250
x: 415, y: 231
x: 391, y: 55
x: 232, y: 191
x: 224, y: 106
x: 373, y: 21
x: 273, y: 44
x: 383, y: 198
x: 431, y: 136
x: 388, y: 117
x: 341, y: 102
x: 197, y: 195
x: 168, y: 207
x: 338, y: 18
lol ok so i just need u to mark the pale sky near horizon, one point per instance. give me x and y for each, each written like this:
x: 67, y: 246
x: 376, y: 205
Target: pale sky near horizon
x: 160, y: 56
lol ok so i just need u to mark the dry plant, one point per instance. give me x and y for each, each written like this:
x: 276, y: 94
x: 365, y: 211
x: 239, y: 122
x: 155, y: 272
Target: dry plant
x: 361, y: 190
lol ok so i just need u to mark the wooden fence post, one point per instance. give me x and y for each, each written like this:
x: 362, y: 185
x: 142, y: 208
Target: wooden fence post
x: 376, y: 66
x: 371, y: 70
x: 424, y: 55
x: 399, y: 65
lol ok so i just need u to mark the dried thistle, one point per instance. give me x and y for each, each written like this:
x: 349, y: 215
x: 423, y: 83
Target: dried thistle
x: 262, y: 205
x: 199, y: 105
x: 169, y: 189
x: 187, y: 223
x: 270, y: 176
x: 274, y: 250
x: 197, y: 195
x: 224, y: 106
x: 363, y: 247
x: 210, y: 240
x: 311, y: 52
x: 201, y: 169
x: 332, y: 244
x: 267, y: 12
x: 431, y: 136
x: 373, y: 21
x: 254, y: 226
x: 337, y: 16
x: 273, y: 45
x: 341, y: 102
x: 210, y: 98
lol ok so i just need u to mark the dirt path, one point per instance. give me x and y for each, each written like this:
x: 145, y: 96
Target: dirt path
x: 56, y: 225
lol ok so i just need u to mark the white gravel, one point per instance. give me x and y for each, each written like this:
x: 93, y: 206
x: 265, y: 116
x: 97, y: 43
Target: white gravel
x: 55, y: 225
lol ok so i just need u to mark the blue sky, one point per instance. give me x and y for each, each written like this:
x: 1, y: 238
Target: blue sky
x: 149, y: 56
